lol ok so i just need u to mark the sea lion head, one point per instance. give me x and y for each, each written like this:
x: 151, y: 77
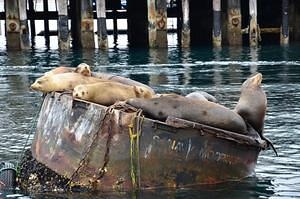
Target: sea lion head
x: 142, y: 92
x: 84, y: 69
x: 41, y: 84
x: 80, y: 91
x: 253, y: 82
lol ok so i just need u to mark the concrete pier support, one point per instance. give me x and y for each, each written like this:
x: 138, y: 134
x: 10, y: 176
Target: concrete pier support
x: 284, y: 31
x: 24, y: 31
x: 185, y: 30
x: 216, y: 33
x: 137, y: 23
x: 253, y: 30
x: 157, y: 23
x: 62, y: 25
x: 234, y: 34
x: 87, y: 24
x: 101, y: 24
x: 12, y: 24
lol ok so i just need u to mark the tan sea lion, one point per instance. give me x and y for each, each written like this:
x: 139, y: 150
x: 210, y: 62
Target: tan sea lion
x: 61, y: 82
x: 122, y: 80
x: 201, y: 95
x: 108, y: 93
x: 59, y: 70
x: 204, y: 112
x: 84, y: 69
x: 252, y: 105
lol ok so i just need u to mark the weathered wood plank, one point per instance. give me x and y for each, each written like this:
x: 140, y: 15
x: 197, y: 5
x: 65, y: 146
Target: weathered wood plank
x: 217, y: 34
x: 284, y: 34
x: 87, y: 24
x: 234, y: 35
x: 12, y: 24
x: 186, y: 30
x: 253, y: 31
x: 101, y: 23
x: 62, y: 25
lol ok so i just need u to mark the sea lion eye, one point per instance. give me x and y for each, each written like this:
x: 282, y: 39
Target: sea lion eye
x: 82, y: 93
x: 39, y: 82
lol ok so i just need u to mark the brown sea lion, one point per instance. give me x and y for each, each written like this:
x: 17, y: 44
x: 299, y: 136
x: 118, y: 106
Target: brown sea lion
x: 204, y: 112
x: 201, y: 95
x: 122, y: 80
x: 252, y: 105
x: 61, y: 82
x: 108, y: 93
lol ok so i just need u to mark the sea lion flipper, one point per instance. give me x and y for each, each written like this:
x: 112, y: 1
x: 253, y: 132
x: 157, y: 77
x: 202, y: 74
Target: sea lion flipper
x: 269, y: 143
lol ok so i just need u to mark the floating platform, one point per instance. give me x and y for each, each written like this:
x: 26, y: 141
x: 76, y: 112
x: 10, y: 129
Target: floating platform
x: 116, y: 148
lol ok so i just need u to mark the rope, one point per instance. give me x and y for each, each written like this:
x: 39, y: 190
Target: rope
x: 136, y: 124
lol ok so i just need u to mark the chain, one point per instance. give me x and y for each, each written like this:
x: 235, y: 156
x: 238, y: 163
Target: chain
x: 82, y: 162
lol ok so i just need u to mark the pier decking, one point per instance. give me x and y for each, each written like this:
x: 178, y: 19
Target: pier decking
x: 213, y: 22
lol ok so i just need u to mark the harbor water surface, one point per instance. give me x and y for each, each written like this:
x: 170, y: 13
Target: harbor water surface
x: 219, y: 72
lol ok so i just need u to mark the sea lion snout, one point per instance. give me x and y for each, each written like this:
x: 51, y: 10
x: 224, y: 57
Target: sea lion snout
x: 254, y: 81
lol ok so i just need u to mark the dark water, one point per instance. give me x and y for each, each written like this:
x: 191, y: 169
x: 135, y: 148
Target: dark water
x: 219, y: 72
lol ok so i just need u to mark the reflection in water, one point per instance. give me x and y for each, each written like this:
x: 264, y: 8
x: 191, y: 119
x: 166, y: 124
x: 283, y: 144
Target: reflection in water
x: 218, y: 71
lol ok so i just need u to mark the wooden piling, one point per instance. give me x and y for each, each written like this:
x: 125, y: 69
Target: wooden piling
x: 115, y: 25
x: 216, y: 33
x: 87, y: 24
x: 24, y: 32
x: 75, y: 14
x: 157, y: 23
x: 137, y: 23
x: 12, y: 24
x: 32, y: 23
x: 294, y: 20
x: 234, y: 34
x: 284, y: 33
x: 185, y: 29
x: 101, y: 24
x: 46, y: 23
x: 62, y: 25
x: 253, y: 31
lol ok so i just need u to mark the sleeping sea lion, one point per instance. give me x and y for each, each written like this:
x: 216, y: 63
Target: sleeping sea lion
x: 108, y: 93
x: 201, y: 95
x: 61, y: 82
x: 252, y: 105
x: 204, y: 112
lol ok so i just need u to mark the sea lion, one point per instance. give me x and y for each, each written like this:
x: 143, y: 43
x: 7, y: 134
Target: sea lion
x: 123, y: 80
x: 108, y: 93
x: 84, y: 69
x: 201, y: 95
x: 61, y: 82
x: 204, y: 112
x: 59, y: 70
x: 252, y: 105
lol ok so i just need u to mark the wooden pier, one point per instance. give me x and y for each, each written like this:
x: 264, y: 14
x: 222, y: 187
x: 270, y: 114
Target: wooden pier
x: 83, y: 23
